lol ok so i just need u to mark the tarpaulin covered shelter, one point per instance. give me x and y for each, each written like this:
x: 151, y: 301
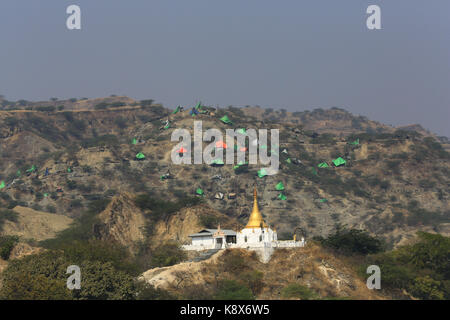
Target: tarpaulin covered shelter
x: 226, y: 120
x: 281, y: 196
x: 262, y: 173
x: 140, y: 156
x: 339, y: 162
x: 323, y: 165
x: 279, y: 186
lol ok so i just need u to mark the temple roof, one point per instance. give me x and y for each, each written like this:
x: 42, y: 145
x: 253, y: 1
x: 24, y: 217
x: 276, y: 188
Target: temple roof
x: 210, y: 232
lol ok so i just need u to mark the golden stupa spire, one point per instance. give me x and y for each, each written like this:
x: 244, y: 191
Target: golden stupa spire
x: 256, y: 220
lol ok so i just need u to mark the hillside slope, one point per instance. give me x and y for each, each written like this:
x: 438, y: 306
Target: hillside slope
x: 35, y: 225
x: 312, y: 267
x: 394, y: 182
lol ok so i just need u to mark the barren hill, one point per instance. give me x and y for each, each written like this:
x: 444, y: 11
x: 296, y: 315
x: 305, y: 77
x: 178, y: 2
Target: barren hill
x: 394, y: 182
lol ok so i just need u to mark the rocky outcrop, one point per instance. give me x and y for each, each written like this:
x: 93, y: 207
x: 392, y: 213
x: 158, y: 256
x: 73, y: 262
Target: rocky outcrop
x: 121, y: 222
x: 22, y: 249
x: 187, y: 221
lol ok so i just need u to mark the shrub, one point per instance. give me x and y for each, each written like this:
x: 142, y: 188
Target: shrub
x: 167, y: 255
x: 353, y: 241
x: 423, y: 268
x: 295, y: 290
x: 11, y: 122
x: 254, y: 280
x: 427, y: 288
x: 147, y: 102
x: 71, y: 184
x: 76, y: 203
x: 161, y: 209
x: 7, y: 214
x: 233, y: 262
x: 426, y: 184
x: 101, y: 106
x: 50, y: 209
x: 46, y: 109
x: 385, y: 184
x: 233, y: 290
x: 81, y: 229
x: 99, y: 141
x: 7, y: 244
x: 209, y: 221
x: 121, y: 122
x: 146, y: 291
x: 43, y: 277
x: 393, y: 165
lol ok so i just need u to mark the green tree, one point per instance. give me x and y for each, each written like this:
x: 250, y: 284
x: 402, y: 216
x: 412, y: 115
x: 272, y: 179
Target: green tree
x: 167, y: 255
x: 43, y: 276
x: 233, y: 290
x: 351, y: 241
x: 427, y: 288
x: 7, y: 244
x: 101, y: 281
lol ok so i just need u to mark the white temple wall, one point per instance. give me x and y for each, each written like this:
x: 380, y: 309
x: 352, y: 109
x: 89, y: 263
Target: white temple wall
x: 256, y: 235
x: 203, y: 241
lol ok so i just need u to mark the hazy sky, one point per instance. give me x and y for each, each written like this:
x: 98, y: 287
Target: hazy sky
x: 297, y: 55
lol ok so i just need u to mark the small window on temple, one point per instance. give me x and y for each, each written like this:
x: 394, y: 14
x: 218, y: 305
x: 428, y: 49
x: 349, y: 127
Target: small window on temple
x: 260, y: 238
x: 245, y: 239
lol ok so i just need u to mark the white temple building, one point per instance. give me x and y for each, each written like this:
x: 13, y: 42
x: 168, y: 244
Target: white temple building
x: 256, y: 235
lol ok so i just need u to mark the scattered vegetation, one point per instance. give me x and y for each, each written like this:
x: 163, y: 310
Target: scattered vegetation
x: 295, y: 290
x: 7, y: 244
x: 352, y: 241
x: 422, y: 268
x: 7, y: 214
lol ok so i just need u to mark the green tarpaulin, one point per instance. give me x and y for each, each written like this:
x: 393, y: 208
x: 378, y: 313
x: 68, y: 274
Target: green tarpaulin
x: 176, y: 110
x: 69, y: 170
x: 2, y: 184
x: 198, y: 106
x: 140, y: 156
x: 323, y: 165
x: 339, y: 162
x: 279, y: 186
x: 199, y: 192
x: 355, y: 143
x: 323, y: 200
x: 134, y: 141
x: 282, y: 196
x: 217, y: 162
x: 45, y: 194
x: 167, y: 126
x: 314, y: 171
x: 242, y: 131
x: 32, y: 169
x: 288, y: 160
x: 226, y: 120
x: 262, y: 173
x: 241, y: 163
x: 18, y: 173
